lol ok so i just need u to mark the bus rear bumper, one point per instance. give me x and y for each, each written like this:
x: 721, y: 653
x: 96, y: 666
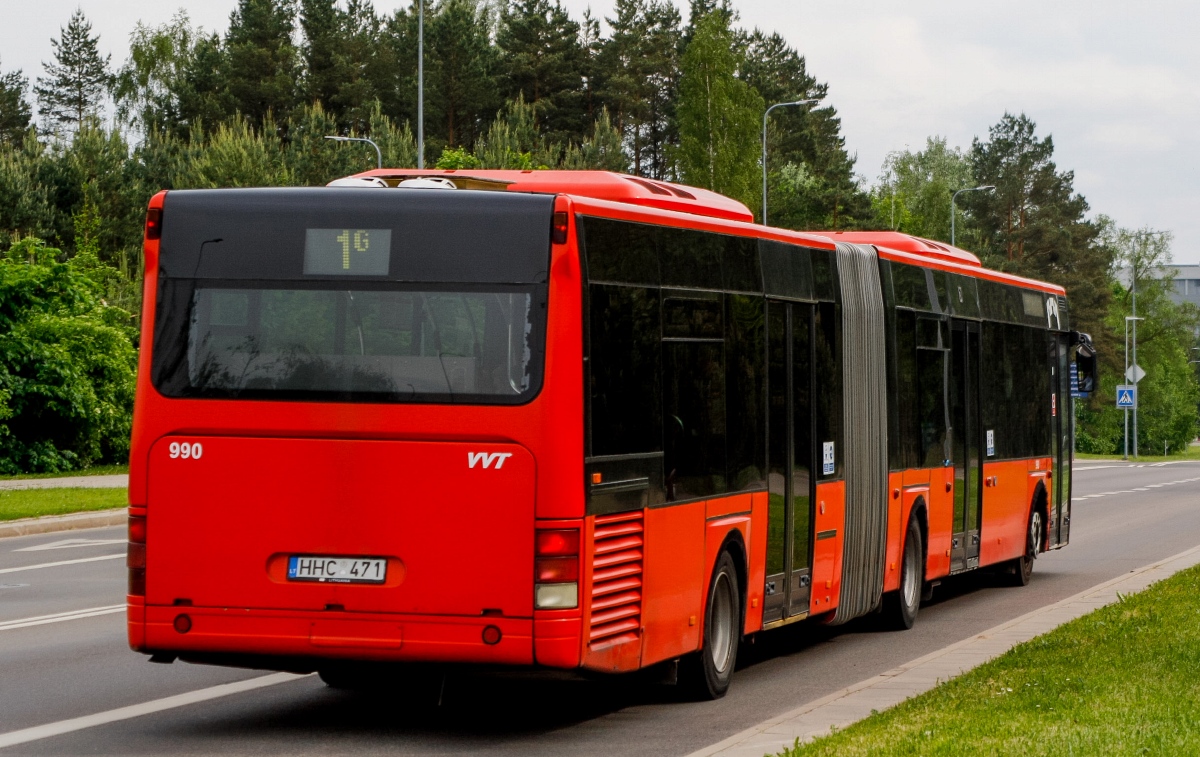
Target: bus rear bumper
x: 338, y: 635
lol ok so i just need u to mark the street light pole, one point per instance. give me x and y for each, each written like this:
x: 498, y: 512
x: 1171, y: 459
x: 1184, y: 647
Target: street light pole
x: 420, y: 83
x: 378, y: 152
x: 953, y: 197
x: 764, y: 149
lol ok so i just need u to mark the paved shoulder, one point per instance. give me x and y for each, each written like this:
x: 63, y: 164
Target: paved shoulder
x: 119, y: 481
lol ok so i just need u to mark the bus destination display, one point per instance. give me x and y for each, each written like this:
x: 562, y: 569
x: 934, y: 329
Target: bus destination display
x: 347, y: 252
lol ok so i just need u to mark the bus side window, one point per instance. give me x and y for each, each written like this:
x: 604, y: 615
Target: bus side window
x: 694, y: 431
x: 905, y: 397
x: 745, y: 380
x: 624, y: 360
x: 827, y: 381
x: 932, y: 347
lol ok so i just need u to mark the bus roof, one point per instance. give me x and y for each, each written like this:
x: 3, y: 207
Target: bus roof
x: 650, y: 195
x: 602, y: 185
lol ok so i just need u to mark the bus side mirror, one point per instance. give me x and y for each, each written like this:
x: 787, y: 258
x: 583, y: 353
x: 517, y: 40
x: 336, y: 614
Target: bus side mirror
x: 1085, y: 360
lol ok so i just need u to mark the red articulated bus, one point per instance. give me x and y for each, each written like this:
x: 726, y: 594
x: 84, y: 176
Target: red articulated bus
x: 570, y: 420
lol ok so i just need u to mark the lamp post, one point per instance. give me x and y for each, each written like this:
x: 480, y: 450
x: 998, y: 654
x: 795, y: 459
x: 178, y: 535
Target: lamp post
x: 1133, y: 279
x: 421, y: 84
x: 378, y: 153
x: 764, y: 149
x: 953, y: 197
x: 1131, y: 319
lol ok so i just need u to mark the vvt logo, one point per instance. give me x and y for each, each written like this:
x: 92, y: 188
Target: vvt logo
x: 487, y: 458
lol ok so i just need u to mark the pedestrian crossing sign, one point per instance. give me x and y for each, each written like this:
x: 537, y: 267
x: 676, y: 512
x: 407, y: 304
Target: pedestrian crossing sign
x: 1127, y: 396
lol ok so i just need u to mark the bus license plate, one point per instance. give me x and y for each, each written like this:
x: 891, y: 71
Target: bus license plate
x: 338, y: 570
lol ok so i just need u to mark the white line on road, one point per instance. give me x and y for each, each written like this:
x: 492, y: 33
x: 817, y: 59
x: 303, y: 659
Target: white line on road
x: 36, y: 733
x: 42, y: 620
x: 70, y: 544
x: 60, y: 562
x: 1133, y: 491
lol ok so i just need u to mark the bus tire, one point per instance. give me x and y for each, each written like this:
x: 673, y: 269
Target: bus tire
x: 706, y: 674
x: 1022, y: 567
x: 901, y: 606
x: 350, y: 678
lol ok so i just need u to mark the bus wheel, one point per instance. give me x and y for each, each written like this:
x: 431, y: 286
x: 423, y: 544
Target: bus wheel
x: 1023, y: 566
x: 707, y: 673
x: 901, y: 606
x: 351, y: 678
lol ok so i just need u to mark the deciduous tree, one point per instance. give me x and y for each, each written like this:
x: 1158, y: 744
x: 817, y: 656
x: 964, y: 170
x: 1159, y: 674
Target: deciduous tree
x: 718, y: 115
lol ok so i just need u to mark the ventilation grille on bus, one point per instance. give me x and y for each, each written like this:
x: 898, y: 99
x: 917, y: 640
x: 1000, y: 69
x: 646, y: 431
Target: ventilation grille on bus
x: 616, y: 580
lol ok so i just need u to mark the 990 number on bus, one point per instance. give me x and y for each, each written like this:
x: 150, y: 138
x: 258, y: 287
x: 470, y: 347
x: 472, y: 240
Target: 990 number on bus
x: 186, y: 451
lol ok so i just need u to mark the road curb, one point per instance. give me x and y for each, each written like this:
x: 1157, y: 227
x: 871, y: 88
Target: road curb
x: 51, y: 523
x: 849, y: 705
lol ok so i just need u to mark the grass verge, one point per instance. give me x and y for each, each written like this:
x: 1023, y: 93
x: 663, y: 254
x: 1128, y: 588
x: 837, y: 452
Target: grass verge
x: 31, y: 503
x: 99, y: 470
x: 1192, y: 453
x: 1122, y: 680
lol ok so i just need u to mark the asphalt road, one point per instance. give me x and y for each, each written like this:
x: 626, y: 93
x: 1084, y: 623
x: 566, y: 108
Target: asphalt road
x: 54, y: 671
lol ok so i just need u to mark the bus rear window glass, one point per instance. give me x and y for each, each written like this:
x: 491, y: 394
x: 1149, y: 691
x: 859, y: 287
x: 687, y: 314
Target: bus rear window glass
x: 347, y: 344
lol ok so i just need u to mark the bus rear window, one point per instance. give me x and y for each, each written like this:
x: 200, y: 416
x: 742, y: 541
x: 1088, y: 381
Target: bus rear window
x: 388, y: 344
x: 352, y: 295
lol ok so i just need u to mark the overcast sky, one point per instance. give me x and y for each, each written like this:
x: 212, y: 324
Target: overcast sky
x: 1117, y: 84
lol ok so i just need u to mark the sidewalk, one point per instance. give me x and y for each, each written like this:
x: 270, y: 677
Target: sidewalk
x: 853, y: 703
x: 120, y: 481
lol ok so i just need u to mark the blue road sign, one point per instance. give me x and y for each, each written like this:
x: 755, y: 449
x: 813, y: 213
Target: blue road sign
x: 1127, y: 396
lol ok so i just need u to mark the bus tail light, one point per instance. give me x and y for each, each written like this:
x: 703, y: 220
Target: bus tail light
x: 154, y: 223
x: 135, y: 558
x: 559, y: 228
x: 556, y: 569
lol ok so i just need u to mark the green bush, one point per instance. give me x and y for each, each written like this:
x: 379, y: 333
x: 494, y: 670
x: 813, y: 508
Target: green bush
x: 67, y: 363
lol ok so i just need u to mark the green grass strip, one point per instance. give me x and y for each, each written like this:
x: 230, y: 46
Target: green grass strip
x: 31, y: 503
x: 1191, y: 453
x: 1123, y: 680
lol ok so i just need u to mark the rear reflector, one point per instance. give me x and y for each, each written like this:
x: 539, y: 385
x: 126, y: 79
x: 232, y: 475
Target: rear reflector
x: 557, y: 596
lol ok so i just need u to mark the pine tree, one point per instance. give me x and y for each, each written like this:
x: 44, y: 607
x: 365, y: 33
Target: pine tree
x: 260, y: 59
x: 74, y: 85
x: 640, y: 67
x: 812, y: 181
x: 322, y: 25
x: 461, y: 66
x: 718, y: 115
x: 395, y: 69
x: 1034, y: 223
x: 202, y: 89
x: 541, y: 60
x: 15, y: 113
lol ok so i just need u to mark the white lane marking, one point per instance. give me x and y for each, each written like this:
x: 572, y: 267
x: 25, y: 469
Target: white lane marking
x: 60, y: 562
x: 59, y: 617
x: 36, y: 733
x: 70, y: 543
x: 1131, y: 491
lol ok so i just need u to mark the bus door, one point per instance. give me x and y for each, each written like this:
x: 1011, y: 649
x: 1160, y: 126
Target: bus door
x: 965, y: 443
x: 1064, y: 442
x: 790, y: 482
